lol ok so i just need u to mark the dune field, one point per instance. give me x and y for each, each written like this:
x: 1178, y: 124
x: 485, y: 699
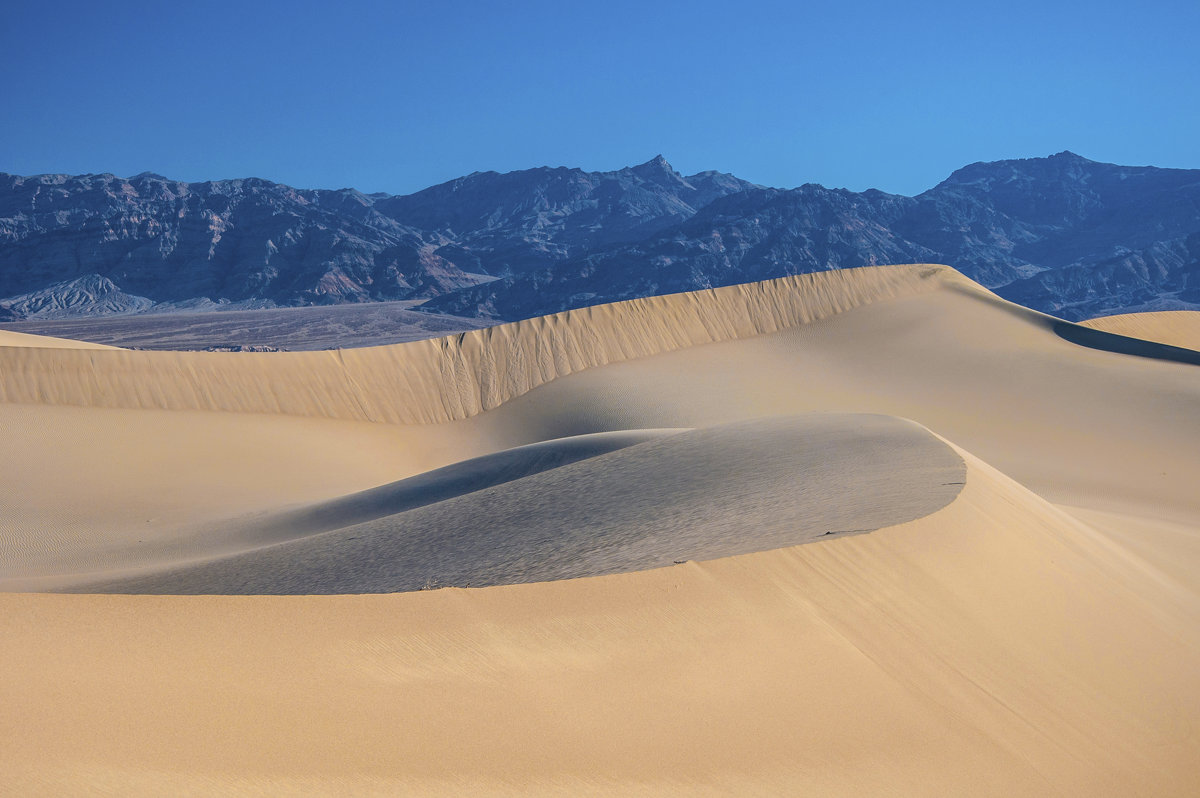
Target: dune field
x: 865, y: 532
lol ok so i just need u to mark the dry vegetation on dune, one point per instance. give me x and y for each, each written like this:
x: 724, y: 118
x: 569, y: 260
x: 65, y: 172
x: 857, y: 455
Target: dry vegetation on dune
x: 1023, y: 618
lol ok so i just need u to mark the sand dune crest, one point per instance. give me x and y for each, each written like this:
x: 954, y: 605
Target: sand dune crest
x: 448, y: 378
x: 13, y: 338
x: 981, y: 641
x: 697, y: 494
x: 967, y: 652
x: 1172, y: 327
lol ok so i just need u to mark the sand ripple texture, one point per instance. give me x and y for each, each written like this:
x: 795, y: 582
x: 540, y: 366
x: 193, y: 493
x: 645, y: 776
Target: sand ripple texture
x: 691, y: 495
x: 998, y: 592
x: 447, y: 378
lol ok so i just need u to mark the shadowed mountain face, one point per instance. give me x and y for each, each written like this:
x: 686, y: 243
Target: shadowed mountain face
x: 503, y: 224
x: 1061, y: 234
x: 96, y: 244
x: 753, y: 235
x: 233, y: 240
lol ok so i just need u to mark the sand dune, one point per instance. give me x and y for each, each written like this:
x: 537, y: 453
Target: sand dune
x: 665, y: 499
x: 970, y: 652
x: 1173, y: 327
x: 13, y: 338
x: 446, y: 378
x: 980, y: 641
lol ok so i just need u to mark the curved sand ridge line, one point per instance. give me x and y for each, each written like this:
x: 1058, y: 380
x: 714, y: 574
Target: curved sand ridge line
x: 113, y: 488
x: 671, y: 497
x: 32, y: 562
x: 459, y: 376
x: 15, y: 339
x: 454, y: 377
x: 996, y: 647
x: 1172, y: 327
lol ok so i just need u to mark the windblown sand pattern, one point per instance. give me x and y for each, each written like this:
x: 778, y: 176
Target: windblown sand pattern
x: 1173, y: 327
x: 997, y: 592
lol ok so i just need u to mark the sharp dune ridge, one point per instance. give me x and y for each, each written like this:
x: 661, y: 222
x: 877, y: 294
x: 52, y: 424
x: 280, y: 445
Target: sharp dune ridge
x: 447, y: 378
x: 458, y: 376
x: 1022, y: 617
x: 1179, y: 328
x: 88, y: 560
x: 968, y: 652
x: 11, y: 338
x: 686, y: 495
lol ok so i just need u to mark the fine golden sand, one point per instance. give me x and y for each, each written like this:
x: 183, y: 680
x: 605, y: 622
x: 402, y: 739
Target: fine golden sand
x: 996, y: 595
x: 1174, y: 327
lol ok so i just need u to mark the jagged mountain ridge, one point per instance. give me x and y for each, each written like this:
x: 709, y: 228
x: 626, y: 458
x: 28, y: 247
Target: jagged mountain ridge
x: 252, y: 242
x: 230, y: 240
x: 561, y: 213
x: 1062, y: 234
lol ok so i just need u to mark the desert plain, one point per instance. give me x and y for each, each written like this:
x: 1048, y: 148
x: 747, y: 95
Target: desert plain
x: 864, y: 532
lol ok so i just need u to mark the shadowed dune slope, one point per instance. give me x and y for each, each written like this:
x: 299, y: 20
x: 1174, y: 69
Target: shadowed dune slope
x: 98, y: 489
x: 446, y: 378
x: 1076, y: 424
x: 994, y: 648
x: 1172, y: 327
x: 981, y: 641
x: 1124, y: 345
x: 36, y: 560
x: 698, y: 494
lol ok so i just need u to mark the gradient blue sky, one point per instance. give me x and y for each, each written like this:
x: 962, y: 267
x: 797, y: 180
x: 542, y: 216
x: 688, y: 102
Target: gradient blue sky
x: 397, y: 96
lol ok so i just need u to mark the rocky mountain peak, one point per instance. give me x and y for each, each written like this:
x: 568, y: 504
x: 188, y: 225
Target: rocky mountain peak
x: 1068, y: 156
x: 655, y: 167
x: 1062, y: 234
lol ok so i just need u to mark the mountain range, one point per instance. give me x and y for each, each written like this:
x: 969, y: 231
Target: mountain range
x: 1063, y: 234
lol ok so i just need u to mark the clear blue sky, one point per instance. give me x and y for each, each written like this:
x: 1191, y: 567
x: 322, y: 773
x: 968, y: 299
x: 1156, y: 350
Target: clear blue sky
x: 397, y: 96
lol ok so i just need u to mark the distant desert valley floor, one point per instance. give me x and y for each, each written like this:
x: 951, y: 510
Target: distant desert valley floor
x: 862, y: 532
x: 303, y: 328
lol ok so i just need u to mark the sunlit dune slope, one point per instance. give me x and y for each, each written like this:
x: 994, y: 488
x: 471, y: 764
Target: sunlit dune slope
x: 449, y: 378
x: 12, y: 338
x: 981, y: 640
x: 1173, y: 327
x: 1073, y: 422
x: 995, y: 647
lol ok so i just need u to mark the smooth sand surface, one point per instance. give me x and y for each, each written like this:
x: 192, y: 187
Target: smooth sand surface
x: 988, y: 642
x: 14, y: 338
x: 997, y: 647
x: 1173, y: 327
x: 450, y: 378
x: 696, y: 494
